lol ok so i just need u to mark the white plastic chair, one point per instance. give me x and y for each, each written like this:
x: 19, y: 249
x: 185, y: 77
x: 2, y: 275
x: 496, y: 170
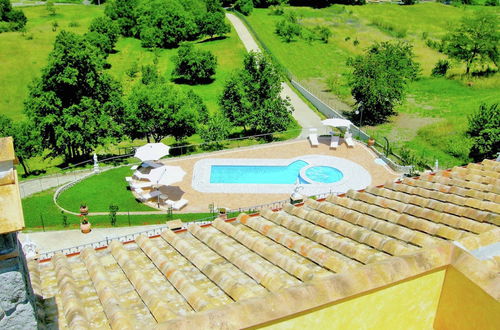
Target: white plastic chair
x: 313, y: 137
x: 348, y: 139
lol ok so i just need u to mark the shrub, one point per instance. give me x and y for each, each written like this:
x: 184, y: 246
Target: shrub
x: 277, y: 10
x: 323, y: 33
x: 194, y: 65
x: 73, y: 24
x: 355, y: 42
x: 409, y: 2
x: 484, y: 130
x: 441, y: 68
x: 132, y: 70
x: 491, y: 3
x: 244, y: 6
x: 288, y: 28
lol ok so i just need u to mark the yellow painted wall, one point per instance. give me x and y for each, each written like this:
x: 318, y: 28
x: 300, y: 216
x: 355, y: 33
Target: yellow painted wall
x: 408, y: 305
x: 464, y: 305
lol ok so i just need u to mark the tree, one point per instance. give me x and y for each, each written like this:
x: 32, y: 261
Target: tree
x: 409, y: 2
x: 103, y: 33
x: 217, y: 129
x: 251, y: 97
x: 51, y: 9
x: 124, y: 12
x: 165, y: 23
x: 440, y: 68
x: 158, y: 110
x: 244, y: 6
x: 288, y: 28
x: 150, y: 74
x: 26, y: 140
x: 192, y: 65
x: 324, y: 33
x: 484, y: 130
x: 14, y: 20
x: 74, y: 106
x: 380, y: 77
x: 213, y: 24
x: 475, y: 40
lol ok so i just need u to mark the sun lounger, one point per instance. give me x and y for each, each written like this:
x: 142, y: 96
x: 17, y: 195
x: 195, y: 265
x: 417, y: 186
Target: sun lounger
x: 149, y: 195
x: 177, y: 205
x: 313, y: 137
x: 334, y: 143
x: 135, y: 167
x: 129, y: 179
x: 140, y: 185
x: 348, y: 139
x: 138, y: 175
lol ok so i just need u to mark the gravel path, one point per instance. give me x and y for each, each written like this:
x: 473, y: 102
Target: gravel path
x: 304, y: 115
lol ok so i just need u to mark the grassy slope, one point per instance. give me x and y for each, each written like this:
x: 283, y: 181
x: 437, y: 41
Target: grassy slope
x: 101, y: 190
x: 429, y: 97
x: 40, y: 206
x: 21, y: 59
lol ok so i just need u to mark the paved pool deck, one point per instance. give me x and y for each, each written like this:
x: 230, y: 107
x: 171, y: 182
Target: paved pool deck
x: 200, y: 201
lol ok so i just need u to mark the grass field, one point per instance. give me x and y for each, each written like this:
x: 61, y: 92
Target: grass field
x: 24, y: 55
x: 432, y: 121
x: 39, y: 207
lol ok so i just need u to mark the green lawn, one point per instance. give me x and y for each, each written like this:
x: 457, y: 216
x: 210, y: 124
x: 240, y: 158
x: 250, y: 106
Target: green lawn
x: 101, y: 190
x: 23, y: 56
x: 435, y: 108
x: 39, y: 207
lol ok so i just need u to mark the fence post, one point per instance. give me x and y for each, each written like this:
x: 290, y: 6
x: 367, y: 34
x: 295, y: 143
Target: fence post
x: 43, y: 224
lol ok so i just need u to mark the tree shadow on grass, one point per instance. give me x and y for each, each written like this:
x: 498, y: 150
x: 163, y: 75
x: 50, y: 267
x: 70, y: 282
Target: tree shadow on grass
x: 183, y: 81
x: 212, y: 39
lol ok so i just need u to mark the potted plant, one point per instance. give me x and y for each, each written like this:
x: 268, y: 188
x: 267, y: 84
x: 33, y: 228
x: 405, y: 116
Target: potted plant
x: 84, y: 210
x: 222, y: 213
x: 371, y: 141
x: 85, y: 226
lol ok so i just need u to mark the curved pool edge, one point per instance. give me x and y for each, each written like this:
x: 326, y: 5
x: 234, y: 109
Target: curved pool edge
x: 355, y: 176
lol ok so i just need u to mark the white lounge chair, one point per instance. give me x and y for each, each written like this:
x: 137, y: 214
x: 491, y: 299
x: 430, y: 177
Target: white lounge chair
x: 135, y: 167
x: 313, y: 137
x: 149, y: 195
x: 129, y: 179
x: 348, y: 139
x: 176, y: 205
x: 138, y: 175
x: 334, y: 143
x: 140, y: 185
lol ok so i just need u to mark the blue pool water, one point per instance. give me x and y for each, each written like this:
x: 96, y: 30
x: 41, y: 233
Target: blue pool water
x: 324, y: 174
x: 268, y: 174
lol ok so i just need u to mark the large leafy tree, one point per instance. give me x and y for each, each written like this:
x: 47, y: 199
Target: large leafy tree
x: 27, y: 142
x: 484, y: 129
x: 194, y: 66
x: 103, y: 34
x: 251, y: 98
x: 475, y: 40
x: 212, y: 23
x: 156, y: 111
x: 165, y: 23
x: 11, y: 19
x: 124, y: 12
x: 74, y: 105
x: 380, y: 78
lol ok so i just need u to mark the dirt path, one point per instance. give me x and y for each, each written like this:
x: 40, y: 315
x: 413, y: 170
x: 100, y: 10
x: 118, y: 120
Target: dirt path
x: 304, y: 115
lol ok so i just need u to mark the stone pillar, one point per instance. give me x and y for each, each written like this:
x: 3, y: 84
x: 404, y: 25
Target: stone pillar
x: 17, y: 300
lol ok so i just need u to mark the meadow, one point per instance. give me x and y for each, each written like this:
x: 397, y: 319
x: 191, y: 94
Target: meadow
x: 433, y: 119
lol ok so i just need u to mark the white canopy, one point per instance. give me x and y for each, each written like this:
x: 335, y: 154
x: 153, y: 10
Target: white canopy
x: 151, y: 151
x: 166, y: 175
x: 337, y: 122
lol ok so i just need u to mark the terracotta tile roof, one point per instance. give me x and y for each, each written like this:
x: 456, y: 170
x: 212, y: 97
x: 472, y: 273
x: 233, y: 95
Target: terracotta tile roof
x: 228, y: 274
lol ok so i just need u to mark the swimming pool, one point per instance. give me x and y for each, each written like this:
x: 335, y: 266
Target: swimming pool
x: 269, y: 174
x: 315, y: 173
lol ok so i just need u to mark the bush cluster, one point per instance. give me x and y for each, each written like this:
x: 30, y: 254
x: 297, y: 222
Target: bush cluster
x: 11, y: 19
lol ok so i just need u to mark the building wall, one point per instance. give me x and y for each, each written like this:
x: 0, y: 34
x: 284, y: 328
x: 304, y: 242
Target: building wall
x: 17, y: 301
x: 410, y: 304
x: 464, y: 305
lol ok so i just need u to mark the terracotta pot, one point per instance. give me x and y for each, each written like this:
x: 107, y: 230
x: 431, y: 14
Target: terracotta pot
x: 371, y: 142
x: 85, y: 227
x: 84, y: 210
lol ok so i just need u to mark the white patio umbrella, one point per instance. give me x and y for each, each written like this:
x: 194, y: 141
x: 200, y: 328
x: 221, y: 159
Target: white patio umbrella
x: 337, y: 122
x: 151, y: 151
x: 166, y: 175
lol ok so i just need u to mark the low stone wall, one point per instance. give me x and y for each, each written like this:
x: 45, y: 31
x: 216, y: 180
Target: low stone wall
x: 17, y: 300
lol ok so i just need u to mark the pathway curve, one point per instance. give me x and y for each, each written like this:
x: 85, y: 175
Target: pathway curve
x: 304, y: 115
x: 30, y: 187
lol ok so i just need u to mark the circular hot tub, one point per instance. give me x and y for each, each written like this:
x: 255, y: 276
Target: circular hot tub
x: 321, y: 174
